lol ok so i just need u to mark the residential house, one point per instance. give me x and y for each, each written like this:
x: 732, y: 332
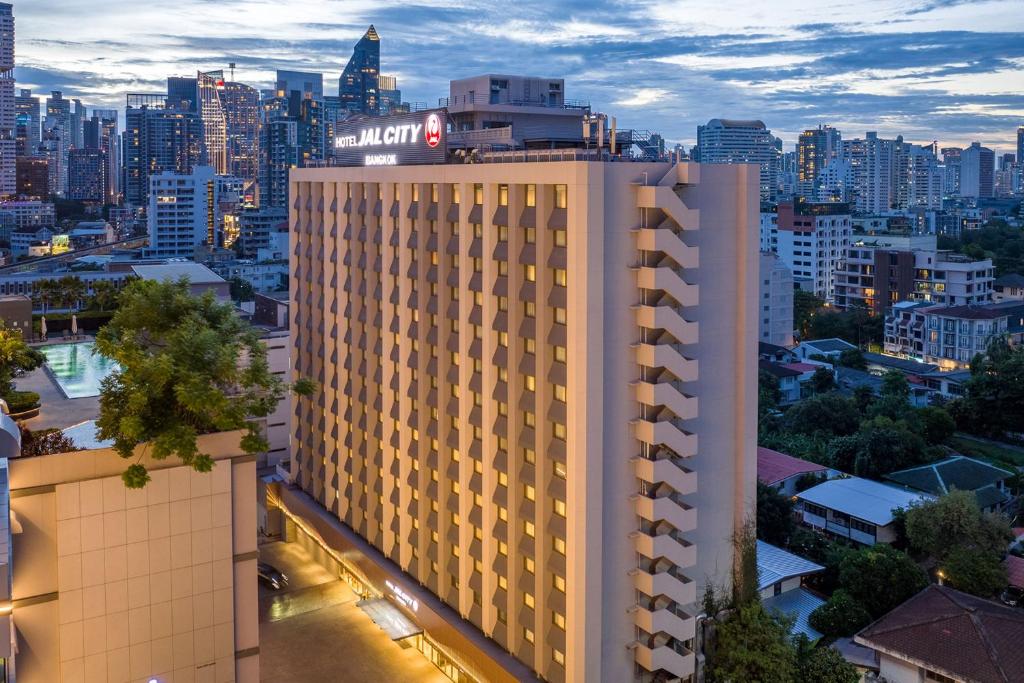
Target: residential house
x: 782, y: 471
x: 780, y: 577
x: 944, y: 635
x: 959, y: 472
x: 854, y: 508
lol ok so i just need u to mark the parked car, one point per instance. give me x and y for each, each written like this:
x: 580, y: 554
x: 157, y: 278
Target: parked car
x: 270, y: 576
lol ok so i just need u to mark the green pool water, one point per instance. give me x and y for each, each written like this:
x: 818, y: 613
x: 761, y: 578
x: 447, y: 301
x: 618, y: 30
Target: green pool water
x: 77, y: 370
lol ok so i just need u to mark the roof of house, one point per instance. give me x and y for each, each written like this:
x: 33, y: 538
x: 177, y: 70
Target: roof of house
x: 1014, y: 570
x: 904, y: 364
x: 775, y: 564
x: 956, y: 472
x: 953, y: 633
x: 867, y: 500
x: 773, y: 466
x: 777, y: 369
x: 1009, y: 280
x: 196, y: 273
x: 832, y: 345
x: 798, y: 604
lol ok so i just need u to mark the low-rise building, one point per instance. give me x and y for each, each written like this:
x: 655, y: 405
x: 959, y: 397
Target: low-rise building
x: 944, y: 635
x: 782, y: 471
x: 856, y: 509
x: 960, y: 473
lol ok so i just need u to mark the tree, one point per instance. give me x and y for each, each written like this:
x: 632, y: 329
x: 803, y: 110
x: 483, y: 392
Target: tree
x: 977, y: 573
x: 952, y: 521
x: 187, y: 366
x: 823, y: 381
x: 752, y: 645
x: 775, y: 522
x: 822, y: 664
x: 880, y: 577
x: 824, y: 413
x: 840, y: 616
x: 805, y: 306
x: 16, y: 357
x: 853, y: 358
x: 935, y: 425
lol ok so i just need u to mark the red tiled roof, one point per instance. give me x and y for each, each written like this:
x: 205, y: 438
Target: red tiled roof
x: 953, y: 633
x: 773, y: 467
x: 1015, y: 570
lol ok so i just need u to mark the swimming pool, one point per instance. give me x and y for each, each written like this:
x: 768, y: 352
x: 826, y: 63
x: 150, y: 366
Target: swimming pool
x: 77, y: 370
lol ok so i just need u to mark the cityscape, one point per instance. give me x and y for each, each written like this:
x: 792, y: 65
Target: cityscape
x: 329, y: 352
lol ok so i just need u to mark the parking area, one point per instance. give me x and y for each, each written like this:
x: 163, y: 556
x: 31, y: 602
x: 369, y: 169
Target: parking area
x: 313, y: 631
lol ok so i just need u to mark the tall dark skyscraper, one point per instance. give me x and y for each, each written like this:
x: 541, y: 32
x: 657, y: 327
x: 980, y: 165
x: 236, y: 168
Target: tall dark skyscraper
x: 359, y: 83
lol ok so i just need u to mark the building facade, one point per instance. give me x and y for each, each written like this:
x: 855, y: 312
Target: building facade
x: 510, y: 408
x: 813, y: 239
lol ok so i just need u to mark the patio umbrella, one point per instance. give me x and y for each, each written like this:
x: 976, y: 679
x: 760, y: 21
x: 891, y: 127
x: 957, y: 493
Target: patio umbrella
x: 42, y: 327
x: 74, y: 325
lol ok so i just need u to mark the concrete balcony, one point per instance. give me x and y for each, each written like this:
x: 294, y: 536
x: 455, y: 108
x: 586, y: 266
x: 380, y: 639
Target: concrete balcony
x: 668, y: 394
x: 665, y: 198
x: 673, y: 658
x: 669, y: 243
x: 671, y: 545
x: 667, y: 471
x: 666, y: 433
x: 668, y: 356
x: 668, y: 319
x: 671, y: 583
x: 669, y: 619
x: 668, y: 508
x: 667, y: 280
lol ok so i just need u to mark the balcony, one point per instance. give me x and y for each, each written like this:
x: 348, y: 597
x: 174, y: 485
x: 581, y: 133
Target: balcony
x: 661, y: 540
x: 667, y: 280
x: 666, y: 470
x: 669, y: 507
x: 672, y: 656
x: 668, y: 319
x: 670, y: 582
x: 668, y: 356
x: 664, y: 616
x: 667, y: 242
x: 668, y: 433
x: 668, y: 394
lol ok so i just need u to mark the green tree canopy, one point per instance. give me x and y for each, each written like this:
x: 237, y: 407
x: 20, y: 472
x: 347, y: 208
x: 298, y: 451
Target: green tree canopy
x: 752, y: 645
x: 954, y: 521
x: 187, y: 366
x: 775, y: 523
x: 880, y: 578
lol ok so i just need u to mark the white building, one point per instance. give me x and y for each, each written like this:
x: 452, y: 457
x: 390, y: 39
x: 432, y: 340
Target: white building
x: 775, y: 302
x: 812, y: 242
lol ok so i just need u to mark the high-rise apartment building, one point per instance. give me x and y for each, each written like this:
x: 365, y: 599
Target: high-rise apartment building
x: 727, y: 141
x: 28, y: 124
x: 977, y: 172
x: 815, y: 149
x: 536, y: 411
x: 242, y: 114
x: 156, y: 139
x: 359, y: 82
x: 812, y: 241
x: 8, y: 107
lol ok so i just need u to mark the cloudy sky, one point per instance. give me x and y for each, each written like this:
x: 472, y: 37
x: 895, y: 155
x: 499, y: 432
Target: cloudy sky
x: 947, y: 70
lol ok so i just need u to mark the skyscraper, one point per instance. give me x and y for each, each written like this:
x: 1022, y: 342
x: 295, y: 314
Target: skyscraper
x: 815, y: 149
x: 156, y: 139
x: 509, y: 423
x: 242, y: 113
x: 28, y: 124
x: 359, y: 82
x: 8, y: 112
x: 728, y: 141
x: 977, y: 170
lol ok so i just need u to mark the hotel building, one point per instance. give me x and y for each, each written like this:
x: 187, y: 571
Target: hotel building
x: 535, y: 426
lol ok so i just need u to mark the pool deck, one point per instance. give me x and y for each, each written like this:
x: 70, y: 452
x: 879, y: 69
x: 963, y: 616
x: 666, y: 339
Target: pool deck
x: 55, y: 409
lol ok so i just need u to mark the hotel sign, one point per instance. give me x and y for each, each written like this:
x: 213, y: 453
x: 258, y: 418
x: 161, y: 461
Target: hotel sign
x: 400, y: 140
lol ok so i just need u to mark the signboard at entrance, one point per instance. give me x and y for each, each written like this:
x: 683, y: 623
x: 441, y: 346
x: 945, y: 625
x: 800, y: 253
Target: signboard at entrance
x: 400, y: 140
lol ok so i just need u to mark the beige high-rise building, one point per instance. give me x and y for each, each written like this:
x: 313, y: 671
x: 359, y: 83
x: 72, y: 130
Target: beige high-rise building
x: 536, y: 413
